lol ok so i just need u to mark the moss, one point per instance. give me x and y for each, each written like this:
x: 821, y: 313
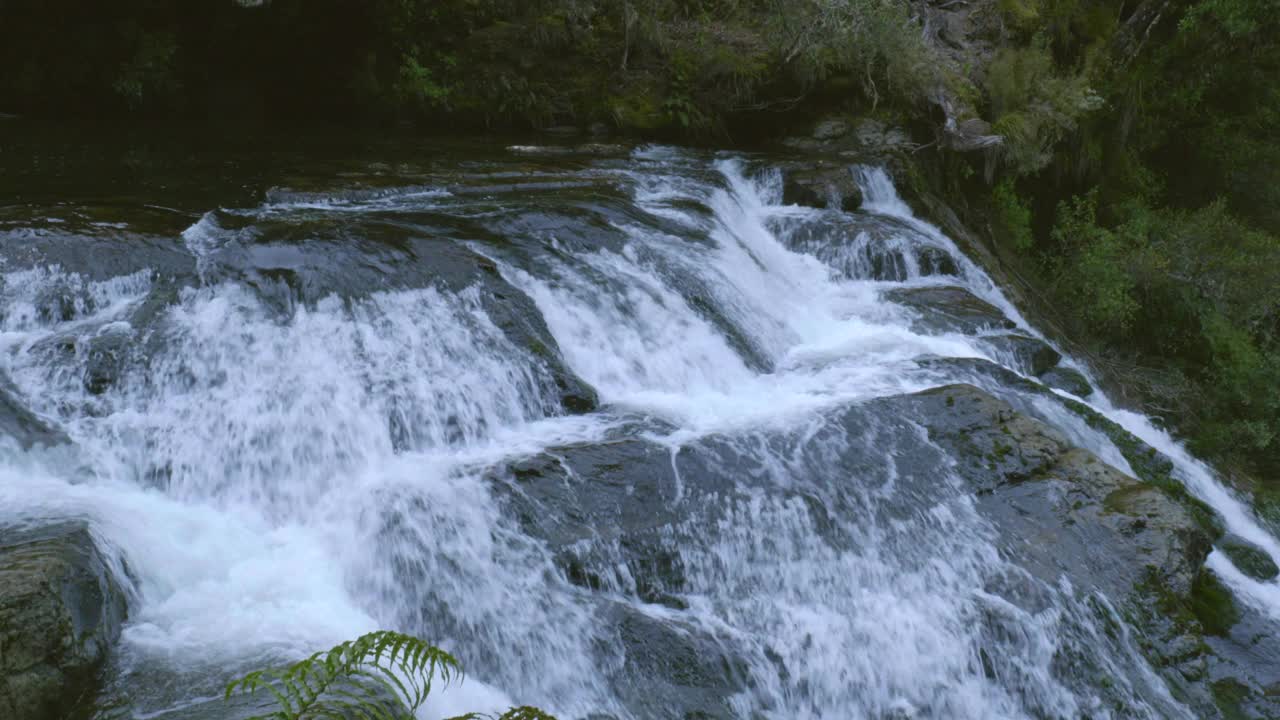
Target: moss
x: 1229, y: 695
x: 1212, y: 604
x: 1151, y: 467
x: 1118, y: 500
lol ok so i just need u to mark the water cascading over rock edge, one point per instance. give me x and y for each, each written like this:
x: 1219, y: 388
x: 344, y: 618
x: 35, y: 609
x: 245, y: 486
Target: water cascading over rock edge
x: 627, y: 435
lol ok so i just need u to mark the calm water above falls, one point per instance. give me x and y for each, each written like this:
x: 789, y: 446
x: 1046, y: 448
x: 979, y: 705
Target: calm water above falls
x: 617, y: 429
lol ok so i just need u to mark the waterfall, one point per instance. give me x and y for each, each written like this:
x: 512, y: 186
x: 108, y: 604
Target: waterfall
x: 353, y: 411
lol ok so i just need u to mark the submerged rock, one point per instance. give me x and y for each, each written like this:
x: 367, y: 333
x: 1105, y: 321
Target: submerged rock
x: 673, y: 670
x: 943, y: 309
x: 60, y: 611
x: 24, y: 426
x: 1064, y: 378
x: 1249, y: 558
x: 1030, y: 355
x: 107, y: 352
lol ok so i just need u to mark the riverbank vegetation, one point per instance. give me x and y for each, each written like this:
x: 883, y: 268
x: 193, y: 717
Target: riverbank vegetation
x: 1135, y: 182
x: 1152, y: 225
x: 675, y: 66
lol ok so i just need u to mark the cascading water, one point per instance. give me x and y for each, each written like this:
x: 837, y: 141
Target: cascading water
x: 379, y: 408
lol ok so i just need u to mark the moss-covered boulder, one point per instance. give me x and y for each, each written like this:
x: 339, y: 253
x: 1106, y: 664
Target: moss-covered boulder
x: 1249, y: 558
x: 60, y: 610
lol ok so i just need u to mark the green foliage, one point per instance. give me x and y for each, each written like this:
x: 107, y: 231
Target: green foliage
x: 149, y: 72
x: 1141, y: 138
x: 1197, y: 291
x: 382, y: 675
x: 358, y: 679
x: 1035, y: 104
x: 685, y: 66
x: 1092, y: 272
x: 1013, y: 215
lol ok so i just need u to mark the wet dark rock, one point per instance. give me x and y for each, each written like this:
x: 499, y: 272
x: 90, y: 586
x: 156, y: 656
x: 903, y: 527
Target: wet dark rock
x: 107, y: 353
x: 870, y: 248
x: 1065, y: 378
x: 60, y: 611
x: 832, y: 187
x: 794, y: 193
x: 1061, y: 512
x: 135, y: 239
x: 24, y: 426
x: 62, y: 302
x: 620, y: 516
x: 1056, y: 504
x: 616, y: 512
x: 1149, y: 464
x: 935, y: 261
x: 945, y: 309
x: 518, y: 317
x: 1030, y: 355
x: 623, y: 492
x: 672, y: 670
x: 1249, y: 558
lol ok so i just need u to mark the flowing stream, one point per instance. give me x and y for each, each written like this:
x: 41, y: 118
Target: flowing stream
x: 407, y: 401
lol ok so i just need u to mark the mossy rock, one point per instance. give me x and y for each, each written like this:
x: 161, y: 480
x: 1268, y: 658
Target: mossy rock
x: 61, y: 609
x: 1249, y: 558
x: 1212, y: 604
x: 1148, y: 464
x: 1229, y: 695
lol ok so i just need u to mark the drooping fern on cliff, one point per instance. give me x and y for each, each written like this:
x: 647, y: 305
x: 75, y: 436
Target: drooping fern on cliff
x: 382, y: 675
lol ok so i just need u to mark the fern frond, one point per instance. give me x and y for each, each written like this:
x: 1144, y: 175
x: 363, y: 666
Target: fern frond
x: 352, y: 681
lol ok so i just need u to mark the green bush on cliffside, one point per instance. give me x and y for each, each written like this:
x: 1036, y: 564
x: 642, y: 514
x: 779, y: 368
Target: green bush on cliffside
x: 1156, y: 208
